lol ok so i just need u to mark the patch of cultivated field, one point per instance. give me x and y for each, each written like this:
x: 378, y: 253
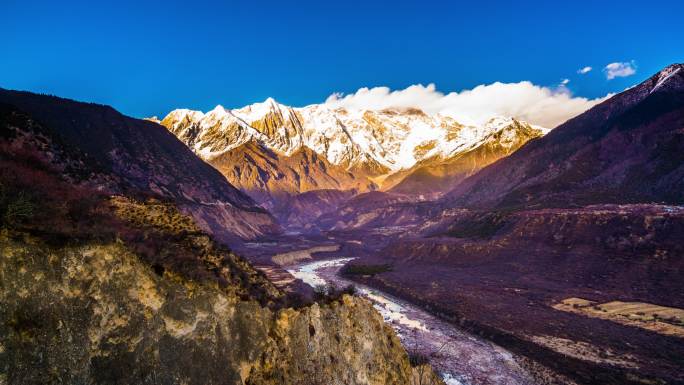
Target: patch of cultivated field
x: 660, y: 319
x: 292, y: 257
x: 584, y: 351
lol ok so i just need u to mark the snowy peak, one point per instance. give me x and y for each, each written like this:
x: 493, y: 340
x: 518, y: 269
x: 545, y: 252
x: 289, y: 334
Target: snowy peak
x: 377, y: 141
x: 667, y: 75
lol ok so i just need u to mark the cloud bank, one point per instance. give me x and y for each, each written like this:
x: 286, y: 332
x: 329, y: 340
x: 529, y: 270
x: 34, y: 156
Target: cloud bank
x: 584, y: 70
x: 538, y: 105
x: 619, y: 70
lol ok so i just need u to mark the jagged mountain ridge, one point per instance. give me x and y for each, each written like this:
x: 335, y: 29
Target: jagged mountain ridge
x: 436, y: 175
x: 269, y: 177
x: 349, y: 149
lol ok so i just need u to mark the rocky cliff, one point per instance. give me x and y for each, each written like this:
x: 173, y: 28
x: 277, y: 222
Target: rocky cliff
x: 95, y: 313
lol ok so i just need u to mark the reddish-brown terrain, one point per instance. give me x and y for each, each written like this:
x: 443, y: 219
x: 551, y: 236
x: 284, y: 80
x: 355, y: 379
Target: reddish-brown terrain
x: 271, y: 178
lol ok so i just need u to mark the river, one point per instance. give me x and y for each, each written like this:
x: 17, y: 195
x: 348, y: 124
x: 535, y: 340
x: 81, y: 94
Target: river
x: 461, y: 358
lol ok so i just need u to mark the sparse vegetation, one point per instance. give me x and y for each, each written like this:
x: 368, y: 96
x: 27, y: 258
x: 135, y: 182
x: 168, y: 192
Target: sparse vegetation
x: 482, y: 225
x: 330, y: 293
x: 15, y: 207
x: 357, y: 269
x: 661, y: 319
x: 416, y: 358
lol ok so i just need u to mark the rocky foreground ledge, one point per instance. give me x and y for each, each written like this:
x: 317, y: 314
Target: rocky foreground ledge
x: 97, y: 313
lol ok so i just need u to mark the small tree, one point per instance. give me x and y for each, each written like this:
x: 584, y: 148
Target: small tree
x: 15, y: 207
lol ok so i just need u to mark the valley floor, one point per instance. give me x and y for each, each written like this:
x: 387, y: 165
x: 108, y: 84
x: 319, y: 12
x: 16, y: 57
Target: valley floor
x: 496, y: 299
x: 462, y: 358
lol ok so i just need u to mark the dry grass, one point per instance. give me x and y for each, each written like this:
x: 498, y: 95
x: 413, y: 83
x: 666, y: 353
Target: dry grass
x: 584, y: 351
x: 660, y: 319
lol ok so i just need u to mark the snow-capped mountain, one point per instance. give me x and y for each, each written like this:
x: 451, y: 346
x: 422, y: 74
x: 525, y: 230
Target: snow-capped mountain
x: 393, y: 139
x: 435, y: 176
x: 349, y: 148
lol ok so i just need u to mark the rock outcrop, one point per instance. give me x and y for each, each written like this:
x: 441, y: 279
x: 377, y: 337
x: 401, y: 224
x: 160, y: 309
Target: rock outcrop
x: 95, y: 313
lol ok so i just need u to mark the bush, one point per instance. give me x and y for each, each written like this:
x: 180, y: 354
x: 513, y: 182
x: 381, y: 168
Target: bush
x: 417, y: 358
x: 295, y: 300
x: 480, y: 226
x: 15, y: 207
x: 330, y: 293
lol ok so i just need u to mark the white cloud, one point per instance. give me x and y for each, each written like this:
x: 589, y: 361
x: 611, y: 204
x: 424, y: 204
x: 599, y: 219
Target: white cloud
x: 619, y: 70
x: 564, y: 82
x: 584, y: 70
x: 535, y: 104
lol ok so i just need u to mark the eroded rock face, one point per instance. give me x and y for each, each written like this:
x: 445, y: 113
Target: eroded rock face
x: 95, y: 313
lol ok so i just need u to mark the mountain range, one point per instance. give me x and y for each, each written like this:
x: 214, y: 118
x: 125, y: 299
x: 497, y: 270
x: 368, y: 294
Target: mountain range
x: 115, y: 267
x: 272, y: 152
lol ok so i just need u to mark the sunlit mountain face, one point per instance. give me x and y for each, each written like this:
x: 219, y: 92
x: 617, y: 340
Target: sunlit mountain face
x: 273, y: 152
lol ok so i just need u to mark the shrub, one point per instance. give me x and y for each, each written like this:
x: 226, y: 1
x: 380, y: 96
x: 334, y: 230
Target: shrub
x: 295, y: 300
x: 16, y: 209
x: 481, y: 225
x: 417, y: 358
x: 330, y: 293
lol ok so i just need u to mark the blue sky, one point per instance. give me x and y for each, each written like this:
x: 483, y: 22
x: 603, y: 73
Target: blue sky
x: 146, y: 58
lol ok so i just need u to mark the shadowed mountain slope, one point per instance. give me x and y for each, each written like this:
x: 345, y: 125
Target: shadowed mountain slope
x: 627, y: 149
x: 139, y: 155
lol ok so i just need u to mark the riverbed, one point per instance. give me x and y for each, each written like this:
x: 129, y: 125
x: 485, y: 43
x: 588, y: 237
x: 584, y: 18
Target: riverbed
x: 461, y: 358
